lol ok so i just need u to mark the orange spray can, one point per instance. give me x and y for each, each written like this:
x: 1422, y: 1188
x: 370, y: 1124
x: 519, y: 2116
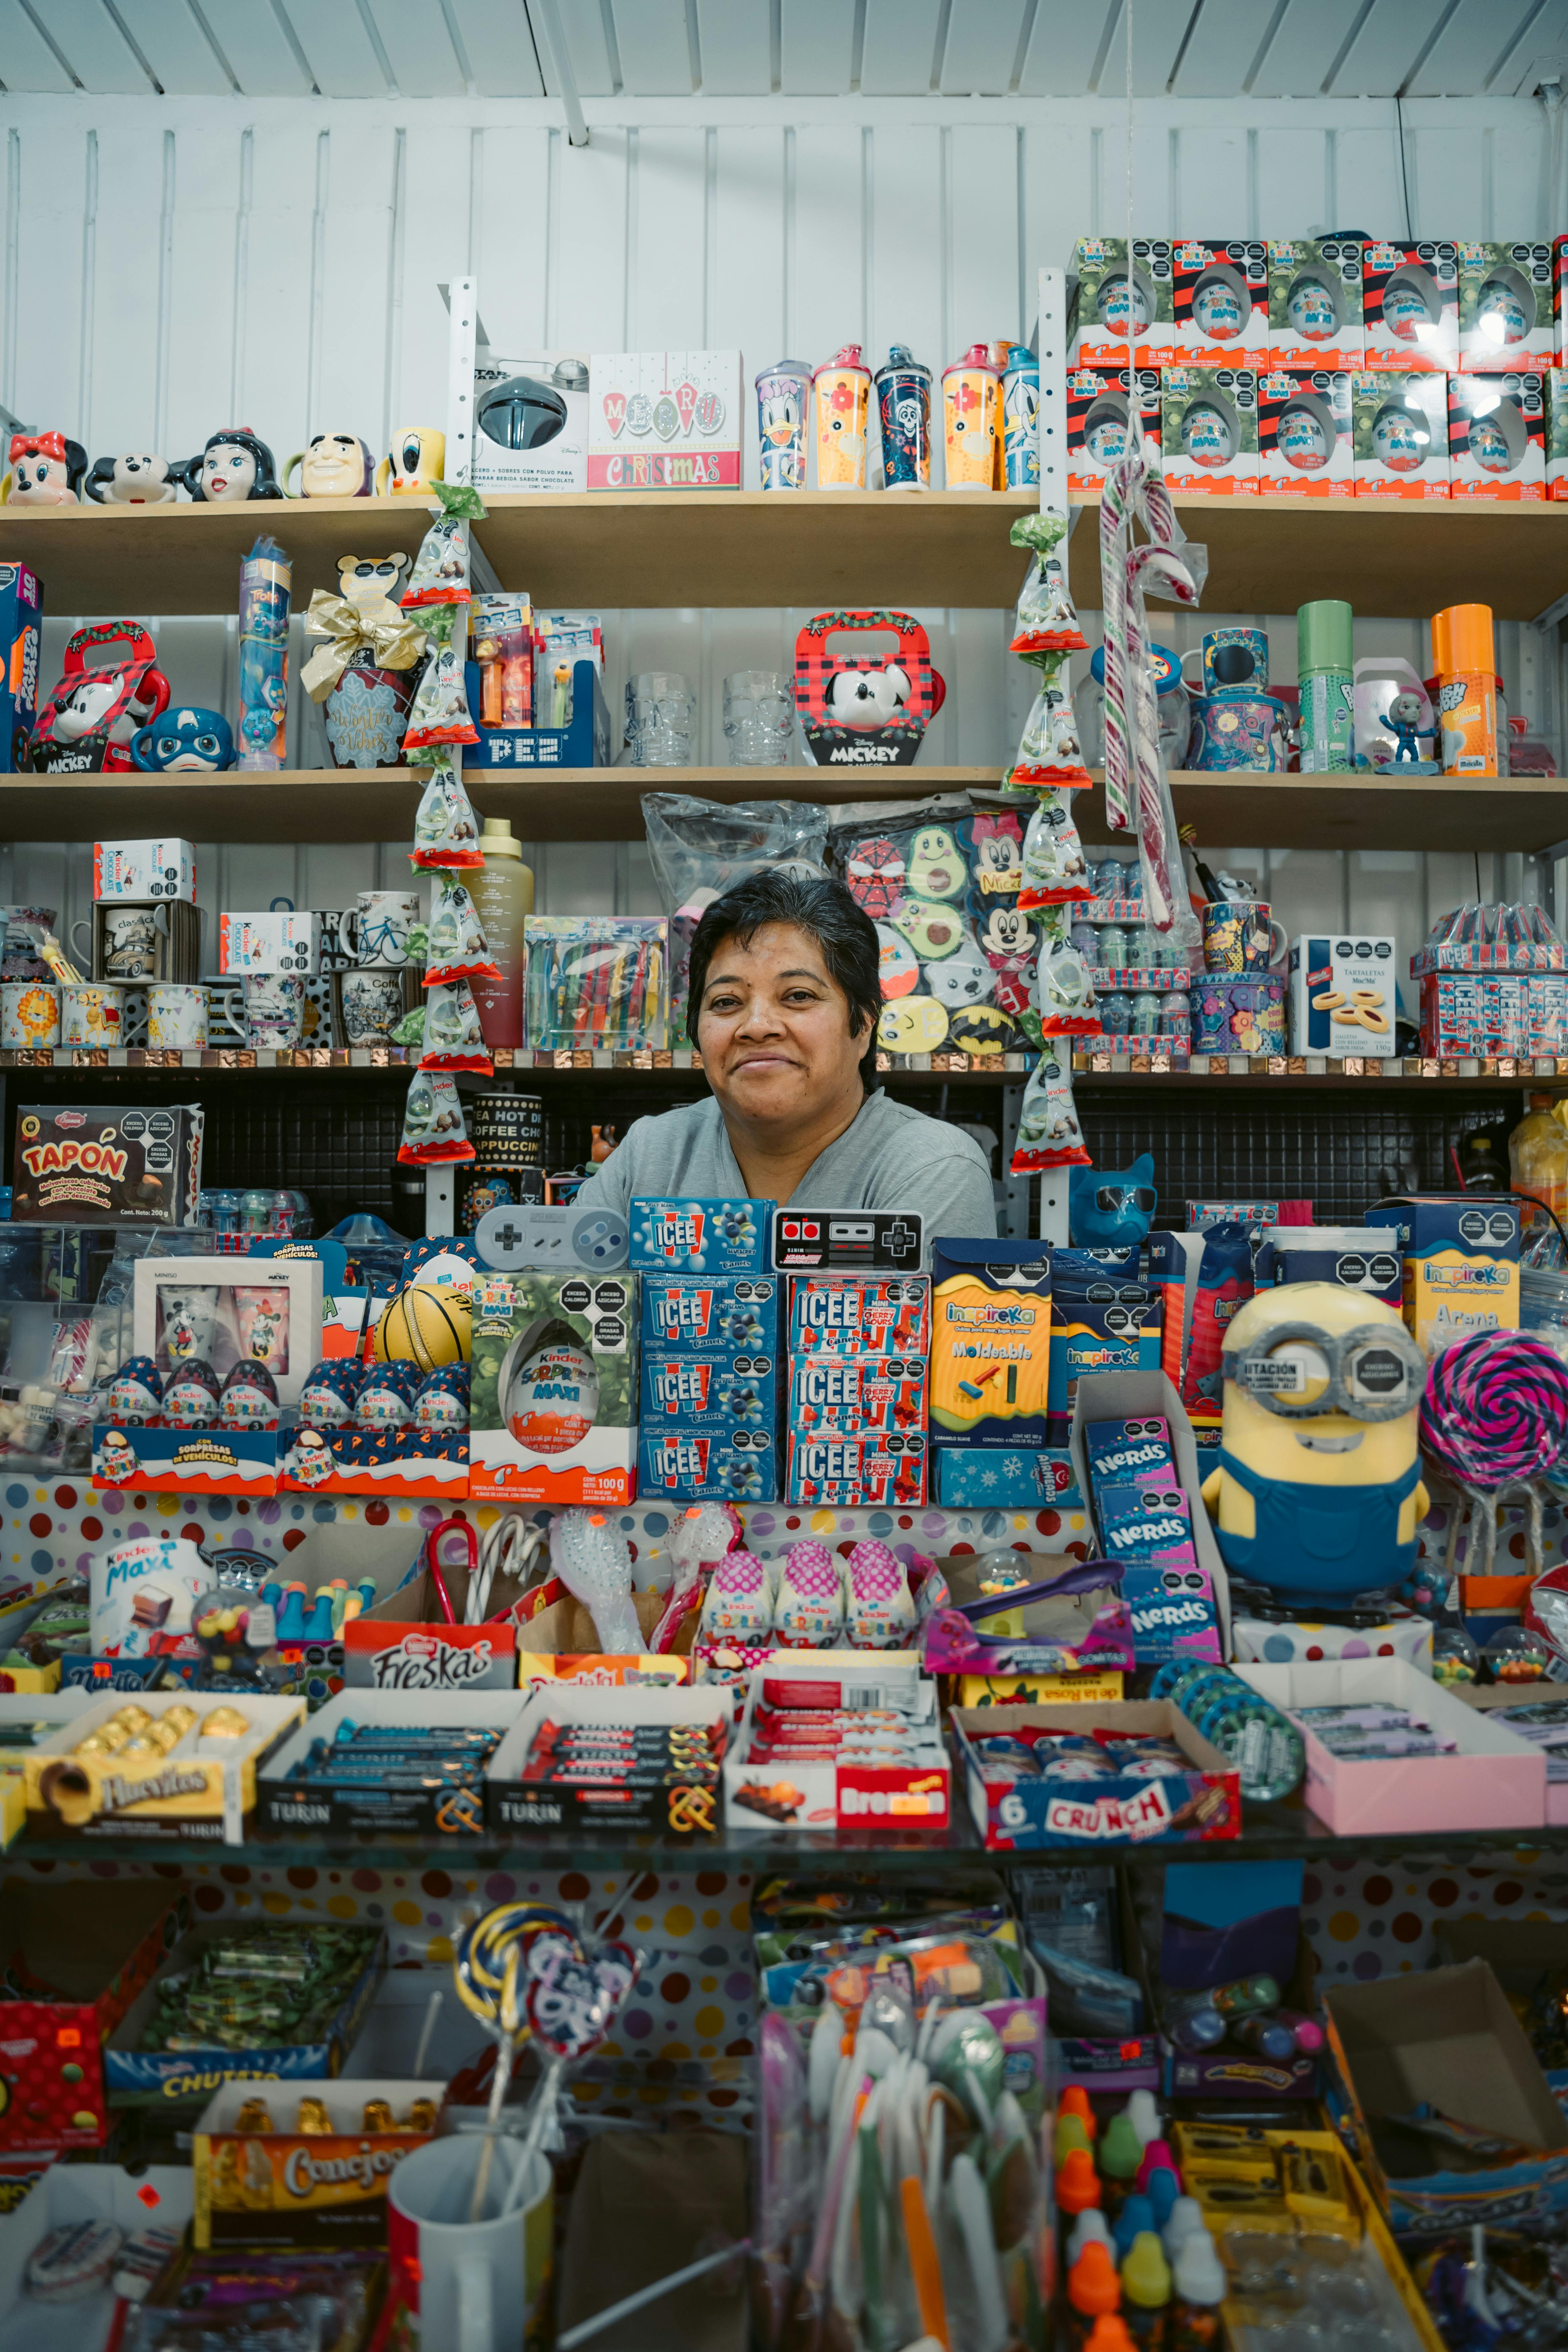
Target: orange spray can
x: 1464, y: 656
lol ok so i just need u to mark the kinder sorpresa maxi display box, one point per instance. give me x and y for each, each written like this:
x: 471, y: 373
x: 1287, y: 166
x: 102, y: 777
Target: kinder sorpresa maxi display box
x: 553, y: 1403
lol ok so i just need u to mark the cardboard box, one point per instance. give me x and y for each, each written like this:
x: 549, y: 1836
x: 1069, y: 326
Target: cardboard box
x: 1461, y: 1264
x: 558, y: 1643
x: 723, y: 1394
x: 1126, y: 1396
x: 401, y: 1643
x: 1118, y: 1332
x: 16, y: 1622
x: 1508, y: 1702
x: 531, y: 421
x: 553, y: 1416
x: 1315, y: 303
x: 1305, y: 446
x: 1506, y: 306
x: 1070, y: 1619
x: 315, y: 1805
x: 1021, y: 1479
x: 1497, y: 438
x: 1492, y: 1779
x: 704, y: 1314
x: 143, y: 870
x: 86, y: 1952
x: 1450, y: 2039
x: 1200, y: 1804
x: 1219, y: 302
x: 665, y: 421
x: 880, y: 1470
x: 1208, y: 431
x: 1098, y: 302
x: 856, y: 1396
x: 277, y: 943
x: 21, y: 633
x: 686, y: 1811
x: 110, y: 1163
x: 1410, y: 305
x: 859, y: 1314
x: 1099, y: 404
x: 152, y: 2196
x: 915, y: 1794
x: 709, y: 1237
x: 1454, y: 1013
x: 387, y: 1462
x: 992, y: 1343
x: 691, y: 1465
x: 292, y: 1352
x: 60, y: 1706
x: 307, y: 2190
x: 187, y: 1461
x: 1399, y: 433
x: 204, y: 1792
x: 1343, y: 993
x: 171, y: 933
x: 175, y: 2077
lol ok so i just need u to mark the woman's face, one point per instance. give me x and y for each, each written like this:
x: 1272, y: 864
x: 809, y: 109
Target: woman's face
x: 774, y: 1028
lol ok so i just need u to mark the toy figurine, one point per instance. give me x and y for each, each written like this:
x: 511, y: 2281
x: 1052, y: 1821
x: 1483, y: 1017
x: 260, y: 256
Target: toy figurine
x: 1110, y: 1208
x: 335, y: 466
x: 134, y: 481
x: 417, y: 459
x: 234, y: 466
x: 189, y: 742
x: 1404, y: 722
x: 47, y: 470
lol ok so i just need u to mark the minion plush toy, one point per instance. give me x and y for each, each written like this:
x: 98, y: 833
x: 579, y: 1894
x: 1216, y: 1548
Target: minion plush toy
x: 1318, y: 1493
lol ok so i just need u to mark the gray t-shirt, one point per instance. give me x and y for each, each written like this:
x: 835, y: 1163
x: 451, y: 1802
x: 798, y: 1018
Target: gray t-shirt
x: 890, y: 1157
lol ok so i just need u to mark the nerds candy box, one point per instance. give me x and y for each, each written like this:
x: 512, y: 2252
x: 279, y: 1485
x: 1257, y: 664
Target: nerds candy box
x: 694, y: 1312
x: 1122, y: 1452
x: 1174, y: 1615
x: 859, y: 1314
x: 1149, y: 1524
x: 683, y: 1392
x: 846, y: 1396
x: 700, y: 1236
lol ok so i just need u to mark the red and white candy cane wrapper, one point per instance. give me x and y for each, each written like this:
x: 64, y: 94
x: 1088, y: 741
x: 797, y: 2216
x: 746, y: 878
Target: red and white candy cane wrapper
x: 1496, y: 1409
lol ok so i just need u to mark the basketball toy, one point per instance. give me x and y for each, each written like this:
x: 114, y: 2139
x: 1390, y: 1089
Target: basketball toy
x: 430, y: 1325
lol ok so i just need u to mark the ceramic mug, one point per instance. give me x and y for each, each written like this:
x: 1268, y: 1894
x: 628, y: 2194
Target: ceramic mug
x: 92, y: 1013
x: 274, y: 1008
x: 22, y: 929
x: 130, y: 940
x: 373, y: 1005
x: 1237, y: 1012
x: 1238, y: 936
x: 415, y: 459
x: 176, y: 1017
x: 185, y: 741
x: 473, y: 2284
x: 1238, y: 734
x: 381, y: 923
x: 29, y: 1014
x: 335, y: 466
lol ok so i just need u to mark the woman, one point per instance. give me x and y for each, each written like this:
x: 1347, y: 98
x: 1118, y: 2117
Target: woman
x: 785, y: 997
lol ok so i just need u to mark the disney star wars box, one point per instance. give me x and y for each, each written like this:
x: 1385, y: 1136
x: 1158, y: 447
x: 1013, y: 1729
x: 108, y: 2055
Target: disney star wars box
x: 553, y: 1409
x: 99, y: 1164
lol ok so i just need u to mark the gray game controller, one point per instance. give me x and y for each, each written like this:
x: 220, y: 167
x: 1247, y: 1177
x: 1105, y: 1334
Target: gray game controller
x: 519, y: 1239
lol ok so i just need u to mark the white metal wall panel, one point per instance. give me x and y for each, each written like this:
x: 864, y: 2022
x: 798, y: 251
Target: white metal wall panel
x: 499, y: 47
x: 265, y: 62
x: 176, y: 266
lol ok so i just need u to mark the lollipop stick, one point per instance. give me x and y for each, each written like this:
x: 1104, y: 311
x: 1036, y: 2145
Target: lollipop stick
x: 506, y: 2047
x: 432, y: 2012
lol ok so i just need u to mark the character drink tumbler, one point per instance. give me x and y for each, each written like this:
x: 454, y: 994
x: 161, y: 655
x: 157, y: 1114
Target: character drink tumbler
x: 1021, y: 419
x: 783, y: 396
x: 843, y: 386
x: 903, y: 403
x: 971, y: 400
x: 265, y: 577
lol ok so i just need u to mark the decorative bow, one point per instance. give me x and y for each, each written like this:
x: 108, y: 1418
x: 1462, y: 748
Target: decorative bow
x: 377, y: 631
x: 38, y: 445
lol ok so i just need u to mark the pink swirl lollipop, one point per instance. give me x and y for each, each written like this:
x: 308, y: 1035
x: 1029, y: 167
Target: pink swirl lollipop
x: 1496, y: 1409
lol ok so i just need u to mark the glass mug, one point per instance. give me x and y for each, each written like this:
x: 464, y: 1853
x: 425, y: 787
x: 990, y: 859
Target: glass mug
x: 373, y: 1005
x: 660, y: 711
x: 759, y: 717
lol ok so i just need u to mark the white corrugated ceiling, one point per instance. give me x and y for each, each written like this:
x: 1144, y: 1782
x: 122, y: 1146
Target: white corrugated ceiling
x: 660, y: 49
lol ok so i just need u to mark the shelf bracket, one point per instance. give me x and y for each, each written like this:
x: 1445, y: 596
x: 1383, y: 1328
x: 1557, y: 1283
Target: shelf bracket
x: 1052, y: 426
x: 1552, y: 615
x: 461, y: 295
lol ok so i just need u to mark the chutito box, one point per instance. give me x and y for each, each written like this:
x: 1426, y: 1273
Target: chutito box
x: 553, y: 1410
x: 102, y: 1164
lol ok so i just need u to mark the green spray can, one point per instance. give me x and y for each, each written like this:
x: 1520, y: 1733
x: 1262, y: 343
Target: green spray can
x: 1324, y: 665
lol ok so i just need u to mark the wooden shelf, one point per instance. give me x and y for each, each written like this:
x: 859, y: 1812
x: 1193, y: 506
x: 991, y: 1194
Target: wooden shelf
x: 810, y: 549
x: 1356, y: 812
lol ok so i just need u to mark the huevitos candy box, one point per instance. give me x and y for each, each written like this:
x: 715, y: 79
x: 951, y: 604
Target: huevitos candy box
x: 687, y: 1392
x: 723, y: 1237
x: 1461, y: 1264
x: 1219, y: 302
x: 553, y: 1410
x: 696, y: 1465
x: 849, y: 1396
x: 871, y: 1472
x: 1315, y: 303
x: 1496, y: 438
x: 859, y: 1314
x: 1098, y: 402
x: 145, y: 869
x: 708, y: 1314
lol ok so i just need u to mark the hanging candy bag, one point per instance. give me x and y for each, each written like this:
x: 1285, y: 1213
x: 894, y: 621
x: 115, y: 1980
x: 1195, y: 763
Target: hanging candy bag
x: 440, y: 714
x: 1066, y: 985
x: 1053, y: 867
x: 455, y: 944
x: 433, y: 1127
x: 453, y: 1038
x: 1048, y: 749
x: 1045, y: 622
x: 441, y: 574
x: 1048, y: 1133
x: 445, y: 833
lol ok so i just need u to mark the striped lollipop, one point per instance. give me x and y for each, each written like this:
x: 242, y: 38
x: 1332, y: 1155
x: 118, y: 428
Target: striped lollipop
x: 1496, y: 1409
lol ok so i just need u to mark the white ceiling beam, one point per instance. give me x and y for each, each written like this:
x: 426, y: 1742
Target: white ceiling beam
x: 341, y: 53
x: 500, y: 43
x: 900, y: 48
x: 735, y: 37
x: 817, y: 46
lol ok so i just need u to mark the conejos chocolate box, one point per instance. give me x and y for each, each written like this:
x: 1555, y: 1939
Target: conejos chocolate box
x: 553, y: 1400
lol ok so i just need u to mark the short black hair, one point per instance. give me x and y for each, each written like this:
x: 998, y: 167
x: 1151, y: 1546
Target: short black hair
x: 827, y: 913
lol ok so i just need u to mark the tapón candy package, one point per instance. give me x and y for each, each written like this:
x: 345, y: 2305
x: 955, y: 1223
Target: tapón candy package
x: 136, y: 1164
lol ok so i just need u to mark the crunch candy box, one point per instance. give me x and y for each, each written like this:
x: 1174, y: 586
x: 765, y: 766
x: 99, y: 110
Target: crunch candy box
x: 700, y: 1236
x: 859, y: 1314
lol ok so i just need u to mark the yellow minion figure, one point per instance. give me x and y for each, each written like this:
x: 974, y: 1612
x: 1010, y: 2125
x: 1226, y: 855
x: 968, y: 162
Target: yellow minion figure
x: 1318, y: 1493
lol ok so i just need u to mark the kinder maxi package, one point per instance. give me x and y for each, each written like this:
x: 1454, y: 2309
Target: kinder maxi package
x: 1496, y: 438
x: 554, y: 1414
x: 1314, y: 303
x: 1100, y: 304
x: 1399, y: 427
x: 1208, y: 431
x: 1219, y: 302
x: 1098, y: 402
x: 1304, y: 444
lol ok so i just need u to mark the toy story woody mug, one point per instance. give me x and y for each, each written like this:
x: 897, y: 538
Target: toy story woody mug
x: 46, y: 470
x: 416, y: 458
x: 333, y: 466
